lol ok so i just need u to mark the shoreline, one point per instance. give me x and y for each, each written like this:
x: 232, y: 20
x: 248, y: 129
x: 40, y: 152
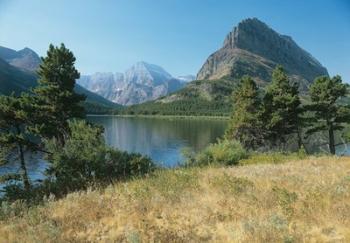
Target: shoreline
x: 163, y: 116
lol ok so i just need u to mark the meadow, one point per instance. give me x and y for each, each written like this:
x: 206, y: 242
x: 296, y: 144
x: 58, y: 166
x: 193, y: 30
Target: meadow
x: 283, y: 199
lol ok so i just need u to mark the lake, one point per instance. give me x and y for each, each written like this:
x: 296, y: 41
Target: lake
x: 162, y: 139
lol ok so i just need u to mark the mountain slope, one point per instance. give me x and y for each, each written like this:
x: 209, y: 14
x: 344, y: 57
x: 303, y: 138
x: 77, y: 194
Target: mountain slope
x: 25, y: 59
x: 252, y: 48
x: 14, y: 80
x: 140, y: 83
x: 20, y: 79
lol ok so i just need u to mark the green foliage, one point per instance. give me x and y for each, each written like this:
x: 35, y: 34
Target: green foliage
x: 328, y: 113
x: 245, y: 124
x: 282, y: 108
x: 15, y: 137
x: 56, y: 100
x: 84, y: 159
x: 224, y: 152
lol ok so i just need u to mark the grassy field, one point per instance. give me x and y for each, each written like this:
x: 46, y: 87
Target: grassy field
x: 305, y: 200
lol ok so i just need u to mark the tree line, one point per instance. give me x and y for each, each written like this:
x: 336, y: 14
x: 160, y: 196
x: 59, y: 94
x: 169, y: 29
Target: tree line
x: 49, y: 120
x: 271, y: 118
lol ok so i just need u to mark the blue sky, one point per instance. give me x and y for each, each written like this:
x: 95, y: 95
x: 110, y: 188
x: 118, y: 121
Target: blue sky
x: 176, y: 34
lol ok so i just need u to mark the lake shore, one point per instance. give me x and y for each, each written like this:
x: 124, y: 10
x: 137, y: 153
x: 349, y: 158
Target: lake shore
x: 164, y: 116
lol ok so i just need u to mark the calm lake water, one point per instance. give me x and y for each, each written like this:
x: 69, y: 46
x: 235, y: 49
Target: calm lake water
x: 160, y: 139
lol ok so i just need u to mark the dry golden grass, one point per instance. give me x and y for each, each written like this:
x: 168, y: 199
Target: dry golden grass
x: 298, y: 201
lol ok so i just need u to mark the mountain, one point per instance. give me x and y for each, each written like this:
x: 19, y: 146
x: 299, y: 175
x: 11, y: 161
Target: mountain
x: 25, y: 59
x: 19, y: 76
x: 140, y: 83
x: 15, y: 80
x: 186, y: 78
x: 252, y: 48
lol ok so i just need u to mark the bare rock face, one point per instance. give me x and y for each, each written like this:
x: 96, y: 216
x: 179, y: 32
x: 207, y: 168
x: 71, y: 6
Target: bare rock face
x: 254, y: 49
x: 140, y: 83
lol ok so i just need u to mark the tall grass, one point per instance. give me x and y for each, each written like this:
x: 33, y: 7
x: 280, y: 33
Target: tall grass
x: 303, y: 200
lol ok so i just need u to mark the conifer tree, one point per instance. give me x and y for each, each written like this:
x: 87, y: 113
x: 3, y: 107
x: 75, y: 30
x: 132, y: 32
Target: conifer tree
x: 329, y: 114
x: 15, y: 138
x: 245, y: 125
x: 56, y: 101
x: 282, y: 108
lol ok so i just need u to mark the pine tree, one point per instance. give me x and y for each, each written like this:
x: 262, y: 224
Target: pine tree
x: 282, y: 108
x: 15, y: 138
x: 329, y: 114
x: 245, y: 125
x: 56, y: 101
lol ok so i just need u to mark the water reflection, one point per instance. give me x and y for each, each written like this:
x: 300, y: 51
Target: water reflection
x: 161, y: 139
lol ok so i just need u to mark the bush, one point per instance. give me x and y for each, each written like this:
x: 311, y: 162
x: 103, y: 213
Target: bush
x: 85, y: 159
x: 224, y: 152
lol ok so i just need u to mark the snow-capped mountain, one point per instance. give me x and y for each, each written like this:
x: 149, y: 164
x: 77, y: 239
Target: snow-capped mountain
x: 140, y: 83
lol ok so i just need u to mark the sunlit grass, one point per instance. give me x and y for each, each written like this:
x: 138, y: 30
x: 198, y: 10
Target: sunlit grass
x: 301, y: 200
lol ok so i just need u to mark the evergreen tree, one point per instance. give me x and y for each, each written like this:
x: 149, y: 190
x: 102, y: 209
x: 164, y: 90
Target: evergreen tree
x: 15, y: 137
x: 282, y: 108
x: 329, y: 114
x: 56, y: 100
x: 245, y: 125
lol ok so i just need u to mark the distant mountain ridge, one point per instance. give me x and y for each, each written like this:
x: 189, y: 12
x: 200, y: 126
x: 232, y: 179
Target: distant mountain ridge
x: 17, y: 74
x: 140, y: 83
x: 25, y: 59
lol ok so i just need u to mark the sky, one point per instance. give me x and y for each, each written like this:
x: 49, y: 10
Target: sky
x: 179, y: 35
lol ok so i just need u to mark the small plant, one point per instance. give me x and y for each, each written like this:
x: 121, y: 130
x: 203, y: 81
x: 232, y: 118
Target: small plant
x: 224, y: 152
x: 285, y: 199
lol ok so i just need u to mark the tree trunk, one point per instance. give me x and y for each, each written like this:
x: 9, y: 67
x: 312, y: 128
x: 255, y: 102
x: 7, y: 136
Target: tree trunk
x: 331, y: 139
x: 24, y: 173
x: 300, y: 140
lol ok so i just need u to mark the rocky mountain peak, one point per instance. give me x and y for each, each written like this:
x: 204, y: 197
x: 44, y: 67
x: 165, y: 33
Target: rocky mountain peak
x: 253, y: 48
x: 247, y: 27
x: 146, y: 74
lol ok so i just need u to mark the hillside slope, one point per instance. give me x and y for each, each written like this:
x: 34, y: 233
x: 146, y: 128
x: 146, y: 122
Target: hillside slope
x: 14, y: 80
x: 299, y: 201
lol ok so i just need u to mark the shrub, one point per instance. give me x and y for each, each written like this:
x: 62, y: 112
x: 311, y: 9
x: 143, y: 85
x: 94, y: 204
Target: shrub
x: 84, y: 159
x: 224, y: 152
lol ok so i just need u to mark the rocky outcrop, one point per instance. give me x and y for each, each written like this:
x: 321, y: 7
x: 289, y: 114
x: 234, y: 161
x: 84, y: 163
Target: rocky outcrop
x: 254, y: 49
